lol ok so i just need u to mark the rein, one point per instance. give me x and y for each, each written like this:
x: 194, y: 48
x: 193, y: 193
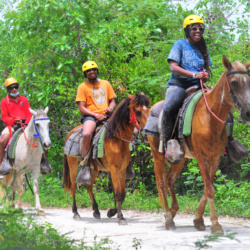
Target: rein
x: 134, y: 119
x: 35, y: 135
x: 231, y: 93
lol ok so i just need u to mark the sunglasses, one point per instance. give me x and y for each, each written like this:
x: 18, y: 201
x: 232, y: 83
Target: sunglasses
x: 13, y: 87
x: 195, y: 29
x: 89, y: 70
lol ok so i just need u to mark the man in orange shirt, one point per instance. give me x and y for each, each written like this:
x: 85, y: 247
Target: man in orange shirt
x: 96, y: 99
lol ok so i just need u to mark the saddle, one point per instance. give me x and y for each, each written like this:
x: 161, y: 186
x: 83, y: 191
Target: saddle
x: 73, y: 146
x: 183, y: 125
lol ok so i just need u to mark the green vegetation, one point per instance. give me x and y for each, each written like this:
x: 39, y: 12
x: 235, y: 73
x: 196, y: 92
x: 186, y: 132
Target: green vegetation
x: 43, y: 44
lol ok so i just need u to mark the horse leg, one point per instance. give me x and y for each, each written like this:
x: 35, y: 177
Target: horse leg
x: 96, y: 212
x: 112, y: 211
x: 118, y: 179
x: 208, y: 195
x: 160, y: 175
x: 171, y: 177
x: 73, y: 166
x: 20, y: 191
x: 35, y: 175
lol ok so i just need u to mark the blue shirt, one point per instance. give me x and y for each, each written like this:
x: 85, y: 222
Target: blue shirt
x: 189, y: 57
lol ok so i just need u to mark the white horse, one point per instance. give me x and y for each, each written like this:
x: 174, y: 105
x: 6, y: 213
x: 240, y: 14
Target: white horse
x: 28, y: 154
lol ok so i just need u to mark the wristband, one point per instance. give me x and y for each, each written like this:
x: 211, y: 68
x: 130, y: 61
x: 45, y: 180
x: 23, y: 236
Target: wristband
x: 96, y: 116
x: 194, y: 75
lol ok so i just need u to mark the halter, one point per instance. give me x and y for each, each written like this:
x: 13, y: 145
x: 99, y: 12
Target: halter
x: 37, y: 133
x: 231, y: 93
x: 133, y: 118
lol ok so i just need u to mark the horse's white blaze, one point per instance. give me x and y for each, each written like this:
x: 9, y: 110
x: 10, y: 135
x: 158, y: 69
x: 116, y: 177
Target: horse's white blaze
x: 144, y: 107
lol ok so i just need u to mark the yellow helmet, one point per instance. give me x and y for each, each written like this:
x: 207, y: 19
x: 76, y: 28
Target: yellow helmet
x: 192, y: 19
x: 10, y: 81
x: 89, y: 65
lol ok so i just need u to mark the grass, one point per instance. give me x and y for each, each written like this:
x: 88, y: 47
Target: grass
x: 231, y: 200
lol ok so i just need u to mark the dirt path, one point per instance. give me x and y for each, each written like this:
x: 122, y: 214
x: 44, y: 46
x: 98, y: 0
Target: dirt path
x: 145, y: 230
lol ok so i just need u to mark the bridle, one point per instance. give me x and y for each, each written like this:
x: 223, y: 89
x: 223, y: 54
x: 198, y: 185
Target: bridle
x: 133, y: 118
x: 231, y: 93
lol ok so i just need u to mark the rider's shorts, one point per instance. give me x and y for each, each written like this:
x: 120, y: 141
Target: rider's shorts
x: 6, y: 130
x: 88, y: 118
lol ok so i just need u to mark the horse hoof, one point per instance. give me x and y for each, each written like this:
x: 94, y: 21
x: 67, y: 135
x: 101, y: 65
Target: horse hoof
x: 217, y: 229
x: 122, y: 222
x: 170, y: 226
x: 40, y: 213
x: 97, y: 215
x: 199, y: 224
x: 112, y: 212
x: 76, y: 217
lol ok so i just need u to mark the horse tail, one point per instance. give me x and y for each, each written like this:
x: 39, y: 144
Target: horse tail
x: 66, y: 174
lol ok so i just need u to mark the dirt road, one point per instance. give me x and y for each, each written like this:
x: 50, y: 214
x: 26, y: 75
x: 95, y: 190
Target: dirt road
x: 146, y: 230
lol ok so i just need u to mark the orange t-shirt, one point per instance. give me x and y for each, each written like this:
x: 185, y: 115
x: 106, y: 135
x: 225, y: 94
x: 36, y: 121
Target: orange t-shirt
x: 96, y: 96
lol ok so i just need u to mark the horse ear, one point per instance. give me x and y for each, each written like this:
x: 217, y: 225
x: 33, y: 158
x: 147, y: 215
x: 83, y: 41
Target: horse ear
x: 32, y: 112
x: 129, y: 96
x: 46, y: 110
x: 247, y: 64
x: 226, y: 63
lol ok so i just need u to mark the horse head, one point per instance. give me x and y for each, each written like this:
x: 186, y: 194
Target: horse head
x: 139, y: 109
x: 41, y: 126
x: 238, y: 81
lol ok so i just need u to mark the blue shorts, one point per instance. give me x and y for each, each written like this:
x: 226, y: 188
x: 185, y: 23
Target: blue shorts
x: 88, y: 118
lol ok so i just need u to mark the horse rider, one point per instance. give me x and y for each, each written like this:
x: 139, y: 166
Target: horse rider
x: 14, y: 111
x: 189, y: 63
x: 96, y: 100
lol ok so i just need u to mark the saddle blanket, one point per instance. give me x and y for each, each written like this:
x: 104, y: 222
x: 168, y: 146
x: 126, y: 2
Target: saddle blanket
x: 185, y: 117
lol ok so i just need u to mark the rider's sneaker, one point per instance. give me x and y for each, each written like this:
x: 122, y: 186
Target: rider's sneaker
x: 236, y: 151
x: 84, y: 176
x: 45, y: 166
x: 1, y: 177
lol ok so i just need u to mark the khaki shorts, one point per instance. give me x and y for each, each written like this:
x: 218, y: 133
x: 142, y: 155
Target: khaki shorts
x: 6, y: 130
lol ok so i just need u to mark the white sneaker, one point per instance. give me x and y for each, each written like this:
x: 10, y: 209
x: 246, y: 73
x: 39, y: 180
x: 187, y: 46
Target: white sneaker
x: 1, y: 177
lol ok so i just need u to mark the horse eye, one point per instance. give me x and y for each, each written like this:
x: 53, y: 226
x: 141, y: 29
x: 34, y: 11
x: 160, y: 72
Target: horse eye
x: 37, y: 124
x: 138, y: 113
x: 234, y: 83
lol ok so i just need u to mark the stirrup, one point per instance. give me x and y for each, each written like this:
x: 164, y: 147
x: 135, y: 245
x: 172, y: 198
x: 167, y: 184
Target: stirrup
x: 45, y: 166
x: 5, y: 167
x: 236, y: 150
x: 84, y: 176
x: 130, y: 173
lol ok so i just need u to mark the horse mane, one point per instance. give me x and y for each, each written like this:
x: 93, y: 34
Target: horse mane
x: 120, y: 119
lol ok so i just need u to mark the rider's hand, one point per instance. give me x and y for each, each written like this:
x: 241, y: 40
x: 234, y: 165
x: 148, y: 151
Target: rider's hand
x: 202, y: 75
x: 109, y: 110
x: 18, y: 121
x: 100, y: 117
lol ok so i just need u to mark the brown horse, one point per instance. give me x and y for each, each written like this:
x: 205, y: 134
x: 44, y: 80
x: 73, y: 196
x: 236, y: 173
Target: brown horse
x: 131, y: 112
x: 206, y: 142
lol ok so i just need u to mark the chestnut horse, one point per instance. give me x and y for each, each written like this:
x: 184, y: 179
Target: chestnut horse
x: 131, y: 112
x: 207, y: 142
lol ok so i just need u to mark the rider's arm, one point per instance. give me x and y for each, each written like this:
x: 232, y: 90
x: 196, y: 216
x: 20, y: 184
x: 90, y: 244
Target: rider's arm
x: 6, y: 118
x: 176, y: 69
x: 84, y: 110
x: 111, y: 106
